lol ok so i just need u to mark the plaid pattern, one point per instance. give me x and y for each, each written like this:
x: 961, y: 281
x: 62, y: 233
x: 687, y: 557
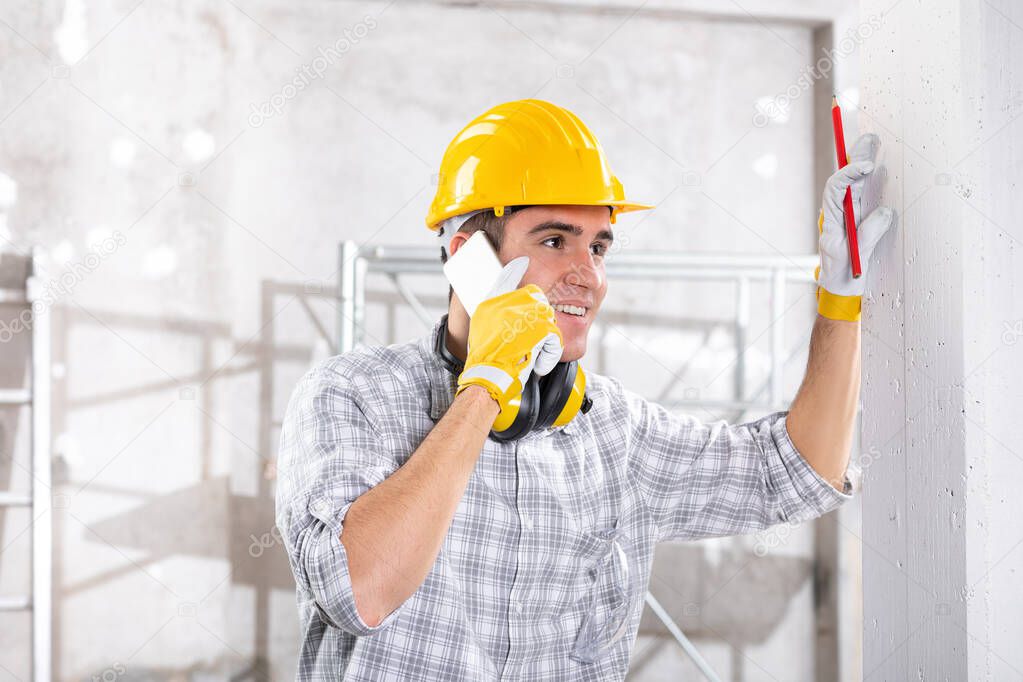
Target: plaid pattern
x: 544, y: 569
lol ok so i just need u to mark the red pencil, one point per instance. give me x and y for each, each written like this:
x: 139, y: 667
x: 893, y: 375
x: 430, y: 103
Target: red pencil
x: 843, y: 160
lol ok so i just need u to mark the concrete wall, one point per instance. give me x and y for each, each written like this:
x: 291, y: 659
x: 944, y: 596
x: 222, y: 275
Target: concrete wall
x: 941, y: 355
x: 175, y: 354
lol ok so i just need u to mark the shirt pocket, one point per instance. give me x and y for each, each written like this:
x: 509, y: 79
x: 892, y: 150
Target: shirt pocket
x: 609, y: 594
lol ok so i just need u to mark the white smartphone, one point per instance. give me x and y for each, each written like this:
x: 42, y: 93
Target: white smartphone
x: 474, y: 270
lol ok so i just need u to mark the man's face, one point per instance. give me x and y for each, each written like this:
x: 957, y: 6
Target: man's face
x: 566, y: 247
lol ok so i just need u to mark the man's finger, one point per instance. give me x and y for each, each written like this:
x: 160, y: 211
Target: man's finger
x: 849, y: 174
x: 511, y: 275
x: 865, y: 148
x: 874, y: 227
x: 549, y: 352
x: 842, y: 179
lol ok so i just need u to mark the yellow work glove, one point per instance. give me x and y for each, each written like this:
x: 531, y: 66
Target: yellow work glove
x: 511, y: 334
x: 839, y: 294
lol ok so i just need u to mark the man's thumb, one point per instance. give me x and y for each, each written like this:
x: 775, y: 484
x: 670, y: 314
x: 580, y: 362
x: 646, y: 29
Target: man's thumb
x: 874, y: 227
x: 549, y: 352
x: 511, y: 275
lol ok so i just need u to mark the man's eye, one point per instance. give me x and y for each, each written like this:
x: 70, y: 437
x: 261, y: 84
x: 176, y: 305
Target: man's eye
x: 551, y: 238
x: 601, y: 249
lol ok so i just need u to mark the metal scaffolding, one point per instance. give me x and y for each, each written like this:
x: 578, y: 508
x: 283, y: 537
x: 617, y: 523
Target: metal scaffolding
x: 26, y: 294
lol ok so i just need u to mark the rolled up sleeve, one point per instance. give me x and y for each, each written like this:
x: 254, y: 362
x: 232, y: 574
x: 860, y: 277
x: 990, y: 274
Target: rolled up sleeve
x: 704, y: 480
x: 330, y: 454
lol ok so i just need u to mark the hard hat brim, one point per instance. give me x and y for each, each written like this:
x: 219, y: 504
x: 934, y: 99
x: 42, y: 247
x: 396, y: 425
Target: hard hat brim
x: 434, y: 221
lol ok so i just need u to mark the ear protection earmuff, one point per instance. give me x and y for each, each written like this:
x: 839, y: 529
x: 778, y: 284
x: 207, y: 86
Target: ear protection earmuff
x: 551, y: 400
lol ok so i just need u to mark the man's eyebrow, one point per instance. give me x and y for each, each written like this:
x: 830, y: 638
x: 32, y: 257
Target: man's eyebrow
x: 570, y: 229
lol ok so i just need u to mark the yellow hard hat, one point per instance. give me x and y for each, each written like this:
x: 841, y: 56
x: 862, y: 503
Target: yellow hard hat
x: 523, y: 153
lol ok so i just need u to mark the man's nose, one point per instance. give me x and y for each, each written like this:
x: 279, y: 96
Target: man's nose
x: 583, y: 271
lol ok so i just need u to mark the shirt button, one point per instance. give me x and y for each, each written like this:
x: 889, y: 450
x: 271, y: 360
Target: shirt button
x: 527, y: 522
x: 321, y: 508
x: 517, y: 606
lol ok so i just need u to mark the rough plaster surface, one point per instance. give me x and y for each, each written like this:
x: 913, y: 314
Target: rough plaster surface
x: 941, y: 359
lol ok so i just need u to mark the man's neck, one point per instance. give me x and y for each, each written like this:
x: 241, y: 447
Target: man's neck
x: 458, y: 329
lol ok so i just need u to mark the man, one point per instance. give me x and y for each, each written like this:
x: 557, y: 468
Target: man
x: 423, y: 549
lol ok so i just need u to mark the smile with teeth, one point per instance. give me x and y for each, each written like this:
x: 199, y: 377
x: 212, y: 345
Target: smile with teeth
x: 570, y: 309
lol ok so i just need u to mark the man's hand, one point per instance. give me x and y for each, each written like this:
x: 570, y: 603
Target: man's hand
x: 839, y: 294
x: 511, y: 334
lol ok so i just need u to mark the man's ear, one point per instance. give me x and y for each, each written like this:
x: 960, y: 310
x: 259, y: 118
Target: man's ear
x: 457, y: 240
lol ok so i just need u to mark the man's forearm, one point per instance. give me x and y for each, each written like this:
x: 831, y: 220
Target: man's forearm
x: 822, y: 416
x: 393, y: 532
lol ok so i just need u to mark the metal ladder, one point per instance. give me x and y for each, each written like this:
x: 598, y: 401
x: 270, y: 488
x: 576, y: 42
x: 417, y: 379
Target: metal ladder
x: 37, y: 399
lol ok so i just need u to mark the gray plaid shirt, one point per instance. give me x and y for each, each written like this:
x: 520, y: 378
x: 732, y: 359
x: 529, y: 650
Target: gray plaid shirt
x: 544, y: 569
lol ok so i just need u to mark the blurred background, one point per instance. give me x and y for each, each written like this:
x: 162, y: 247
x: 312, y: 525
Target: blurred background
x: 198, y: 191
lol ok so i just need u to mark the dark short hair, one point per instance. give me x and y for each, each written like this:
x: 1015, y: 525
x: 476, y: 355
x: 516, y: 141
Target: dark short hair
x: 492, y: 226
